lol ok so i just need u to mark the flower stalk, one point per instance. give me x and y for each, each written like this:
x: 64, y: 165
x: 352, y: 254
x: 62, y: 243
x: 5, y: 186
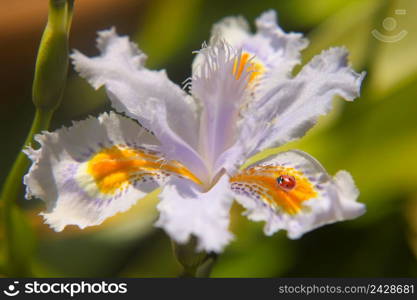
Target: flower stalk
x: 195, y: 263
x: 48, y: 85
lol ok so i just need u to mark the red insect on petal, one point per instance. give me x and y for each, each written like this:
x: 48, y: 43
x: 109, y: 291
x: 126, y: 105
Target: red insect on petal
x: 286, y: 182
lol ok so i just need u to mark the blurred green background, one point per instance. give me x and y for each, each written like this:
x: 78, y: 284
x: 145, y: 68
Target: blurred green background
x: 374, y: 138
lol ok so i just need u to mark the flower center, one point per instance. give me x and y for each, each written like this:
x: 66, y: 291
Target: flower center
x: 117, y: 167
x: 253, y: 65
x: 275, y: 186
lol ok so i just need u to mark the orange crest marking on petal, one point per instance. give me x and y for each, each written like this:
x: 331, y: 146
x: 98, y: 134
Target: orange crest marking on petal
x: 116, y: 167
x: 255, y: 67
x: 260, y: 182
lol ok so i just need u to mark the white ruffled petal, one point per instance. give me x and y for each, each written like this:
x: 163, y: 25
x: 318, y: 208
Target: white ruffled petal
x: 95, y: 169
x: 290, y: 109
x: 314, y: 199
x: 277, y: 50
x: 185, y: 211
x: 141, y: 94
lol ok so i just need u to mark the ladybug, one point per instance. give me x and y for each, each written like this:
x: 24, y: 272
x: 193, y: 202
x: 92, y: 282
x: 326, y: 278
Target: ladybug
x: 286, y: 182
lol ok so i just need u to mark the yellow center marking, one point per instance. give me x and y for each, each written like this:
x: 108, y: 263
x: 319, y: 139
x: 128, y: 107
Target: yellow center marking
x: 262, y: 180
x: 116, y: 167
x: 255, y: 67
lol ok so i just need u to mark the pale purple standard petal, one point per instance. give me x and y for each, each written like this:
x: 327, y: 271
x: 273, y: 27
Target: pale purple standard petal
x: 222, y: 93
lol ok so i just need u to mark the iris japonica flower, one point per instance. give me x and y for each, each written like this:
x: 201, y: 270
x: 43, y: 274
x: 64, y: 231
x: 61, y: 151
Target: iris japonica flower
x: 242, y: 99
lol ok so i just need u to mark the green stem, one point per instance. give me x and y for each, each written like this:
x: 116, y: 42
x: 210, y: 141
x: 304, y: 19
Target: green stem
x: 204, y: 270
x: 11, y: 186
x: 48, y: 85
x: 195, y: 264
x: 201, y: 271
x: 10, y: 193
x: 70, y: 12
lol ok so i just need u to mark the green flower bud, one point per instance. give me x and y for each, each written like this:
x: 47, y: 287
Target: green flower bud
x: 52, y: 61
